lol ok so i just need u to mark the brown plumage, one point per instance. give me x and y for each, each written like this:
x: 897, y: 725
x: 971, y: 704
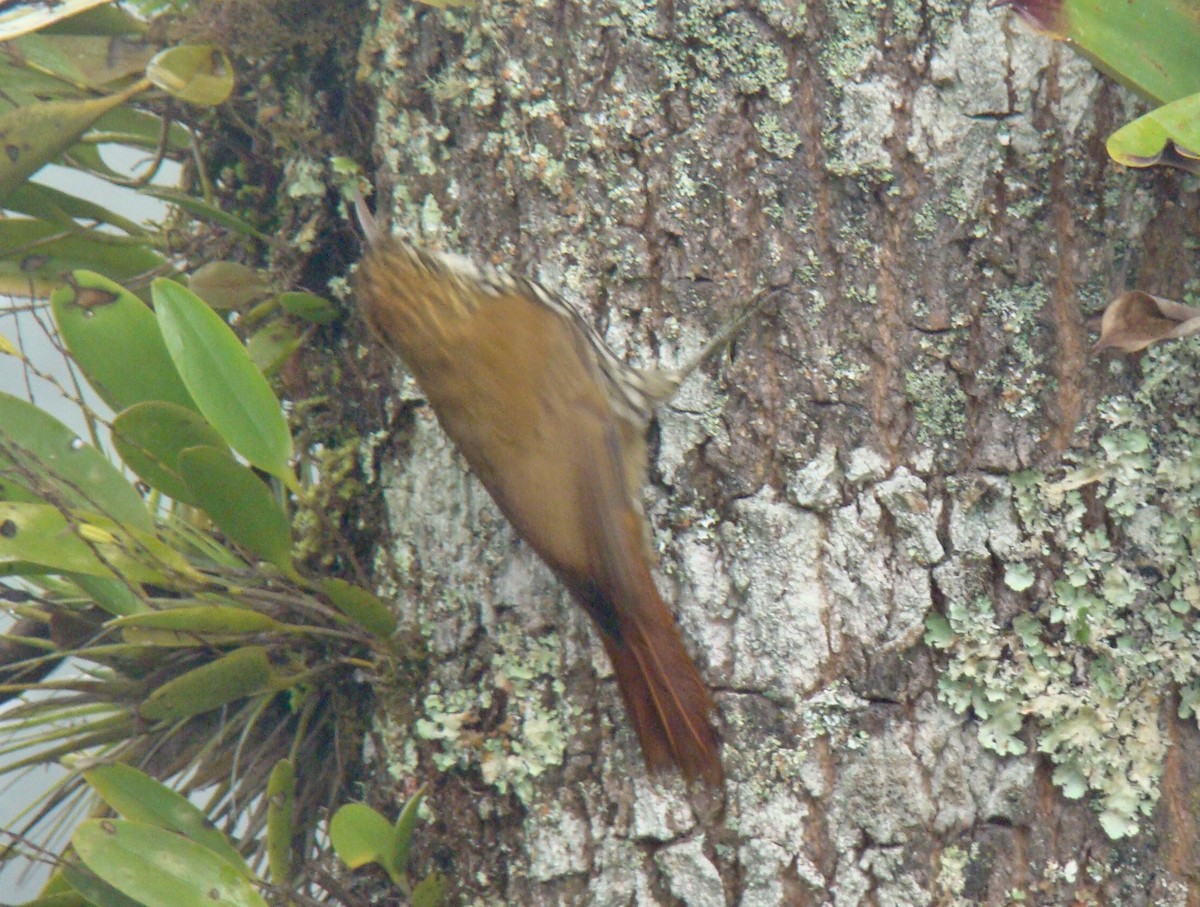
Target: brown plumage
x: 554, y: 426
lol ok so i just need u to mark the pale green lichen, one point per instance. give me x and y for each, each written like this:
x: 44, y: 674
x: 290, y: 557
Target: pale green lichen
x: 1112, y: 631
x: 722, y: 43
x: 531, y: 737
x: 939, y: 404
x: 952, y: 872
x: 851, y: 45
x: 776, y: 138
x: 832, y: 713
x: 305, y: 179
x: 432, y: 224
x: 1015, y: 314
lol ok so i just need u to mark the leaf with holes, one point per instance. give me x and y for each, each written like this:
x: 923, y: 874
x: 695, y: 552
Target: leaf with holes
x: 161, y: 868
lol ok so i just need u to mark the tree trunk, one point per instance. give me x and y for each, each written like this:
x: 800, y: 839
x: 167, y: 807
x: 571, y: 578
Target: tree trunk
x: 913, y: 440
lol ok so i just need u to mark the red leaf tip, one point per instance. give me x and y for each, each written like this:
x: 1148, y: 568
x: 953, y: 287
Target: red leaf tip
x: 1046, y: 16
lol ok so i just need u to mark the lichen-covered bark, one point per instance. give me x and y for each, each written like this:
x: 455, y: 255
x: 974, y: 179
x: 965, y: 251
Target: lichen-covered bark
x: 934, y: 559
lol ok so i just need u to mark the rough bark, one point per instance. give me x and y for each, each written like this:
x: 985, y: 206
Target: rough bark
x: 905, y: 435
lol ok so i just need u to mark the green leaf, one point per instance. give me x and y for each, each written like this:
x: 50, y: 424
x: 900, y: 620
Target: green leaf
x: 197, y: 73
x: 231, y: 393
x: 309, y: 307
x: 360, y: 835
x: 239, y: 502
x: 86, y: 158
x: 205, y: 211
x: 34, y: 254
x: 38, y: 538
x: 97, y: 891
x: 242, y: 673
x: 272, y: 345
x: 67, y: 899
x: 281, y: 823
x: 138, y: 128
x: 107, y: 19
x: 431, y: 891
x: 45, y: 457
x: 37, y: 134
x: 1153, y: 46
x: 227, y: 284
x: 22, y: 19
x: 112, y: 595
x: 160, y: 868
x: 23, y: 86
x: 137, y: 796
x: 92, y: 61
x: 403, y: 832
x: 203, y: 619
x: 361, y: 606
x: 150, y: 437
x: 1168, y: 135
x: 114, y: 338
x: 61, y: 208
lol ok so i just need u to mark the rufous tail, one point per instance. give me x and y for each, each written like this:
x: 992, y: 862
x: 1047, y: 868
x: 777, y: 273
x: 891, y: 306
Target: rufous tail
x: 666, y: 699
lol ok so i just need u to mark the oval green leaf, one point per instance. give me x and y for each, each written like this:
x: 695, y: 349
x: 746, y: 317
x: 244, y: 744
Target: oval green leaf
x: 281, y: 821
x: 231, y: 393
x: 309, y: 307
x: 361, y: 606
x: 239, y: 502
x: 203, y: 619
x: 359, y: 835
x: 1169, y: 134
x: 114, y: 337
x: 197, y: 73
x: 242, y: 673
x: 160, y: 868
x: 150, y: 436
x: 52, y: 462
x: 137, y: 796
x: 227, y: 284
x: 272, y: 345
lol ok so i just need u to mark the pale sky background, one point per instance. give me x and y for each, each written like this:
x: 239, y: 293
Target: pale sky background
x: 18, y: 791
x: 31, y: 337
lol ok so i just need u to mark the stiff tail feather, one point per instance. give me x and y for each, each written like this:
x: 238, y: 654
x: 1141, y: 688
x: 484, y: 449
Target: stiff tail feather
x: 665, y: 697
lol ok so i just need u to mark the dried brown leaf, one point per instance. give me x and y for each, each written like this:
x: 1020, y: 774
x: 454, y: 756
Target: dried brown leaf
x: 1134, y: 320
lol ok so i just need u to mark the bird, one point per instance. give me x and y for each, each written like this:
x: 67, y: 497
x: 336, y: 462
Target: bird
x: 554, y: 425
